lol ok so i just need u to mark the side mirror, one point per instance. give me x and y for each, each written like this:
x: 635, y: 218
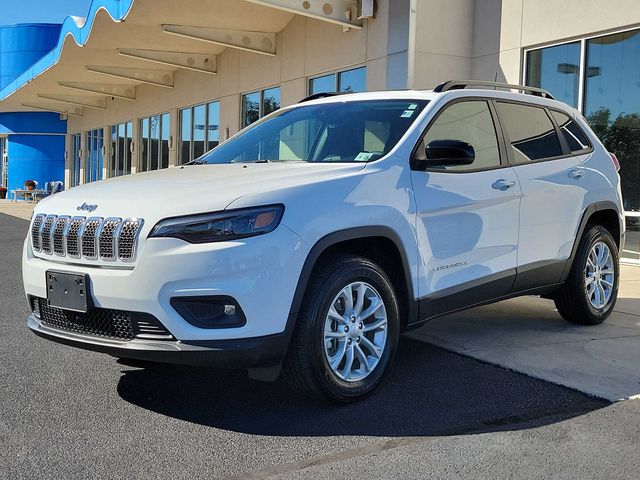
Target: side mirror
x: 444, y: 153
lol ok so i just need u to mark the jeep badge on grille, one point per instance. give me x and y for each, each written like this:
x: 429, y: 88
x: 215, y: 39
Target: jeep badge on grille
x: 87, y: 208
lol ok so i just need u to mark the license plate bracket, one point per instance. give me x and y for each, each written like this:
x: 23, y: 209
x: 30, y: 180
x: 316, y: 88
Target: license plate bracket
x: 68, y: 291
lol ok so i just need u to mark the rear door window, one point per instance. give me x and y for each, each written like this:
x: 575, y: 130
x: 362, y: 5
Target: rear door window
x: 573, y: 134
x: 531, y: 132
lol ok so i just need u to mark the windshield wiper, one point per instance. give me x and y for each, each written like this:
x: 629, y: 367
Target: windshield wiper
x: 196, y: 162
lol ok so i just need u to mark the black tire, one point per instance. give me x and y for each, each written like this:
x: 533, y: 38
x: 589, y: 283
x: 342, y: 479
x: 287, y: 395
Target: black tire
x: 571, y: 301
x: 306, y: 367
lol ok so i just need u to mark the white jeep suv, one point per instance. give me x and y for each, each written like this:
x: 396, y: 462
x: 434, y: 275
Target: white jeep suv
x: 310, y: 240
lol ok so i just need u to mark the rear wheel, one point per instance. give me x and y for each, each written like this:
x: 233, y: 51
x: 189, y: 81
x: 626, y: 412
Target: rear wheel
x: 591, y: 290
x: 347, y: 331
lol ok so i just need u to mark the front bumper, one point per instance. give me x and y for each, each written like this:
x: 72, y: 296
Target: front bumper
x: 256, y: 352
x: 259, y: 273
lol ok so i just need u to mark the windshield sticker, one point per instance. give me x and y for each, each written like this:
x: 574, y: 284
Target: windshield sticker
x: 413, y: 106
x: 407, y: 114
x: 363, y: 157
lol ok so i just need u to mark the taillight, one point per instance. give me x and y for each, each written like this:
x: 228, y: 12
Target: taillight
x: 615, y: 161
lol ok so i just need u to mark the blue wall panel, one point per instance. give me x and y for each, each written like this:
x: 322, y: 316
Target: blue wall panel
x: 23, y: 45
x: 35, y: 157
x: 33, y: 154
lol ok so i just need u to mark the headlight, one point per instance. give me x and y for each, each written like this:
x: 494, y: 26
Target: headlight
x: 221, y: 226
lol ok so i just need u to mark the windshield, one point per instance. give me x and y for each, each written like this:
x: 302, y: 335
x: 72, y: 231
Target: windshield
x: 356, y: 131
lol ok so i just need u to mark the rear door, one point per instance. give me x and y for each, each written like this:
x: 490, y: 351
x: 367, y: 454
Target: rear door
x: 553, y: 185
x: 467, y: 215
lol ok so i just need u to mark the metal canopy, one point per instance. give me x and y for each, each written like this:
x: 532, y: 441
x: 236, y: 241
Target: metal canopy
x: 125, y: 43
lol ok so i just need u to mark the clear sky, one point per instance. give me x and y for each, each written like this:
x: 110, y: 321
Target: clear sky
x: 45, y: 11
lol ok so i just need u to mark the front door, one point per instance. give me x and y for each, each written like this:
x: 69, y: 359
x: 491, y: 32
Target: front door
x: 467, y: 215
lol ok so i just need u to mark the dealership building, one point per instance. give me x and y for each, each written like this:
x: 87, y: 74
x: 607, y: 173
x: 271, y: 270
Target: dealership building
x: 141, y: 85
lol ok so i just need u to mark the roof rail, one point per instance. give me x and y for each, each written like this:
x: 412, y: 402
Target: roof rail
x: 462, y: 84
x: 317, y: 96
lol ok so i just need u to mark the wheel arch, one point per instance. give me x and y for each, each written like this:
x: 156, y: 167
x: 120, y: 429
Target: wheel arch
x: 368, y: 242
x: 605, y: 213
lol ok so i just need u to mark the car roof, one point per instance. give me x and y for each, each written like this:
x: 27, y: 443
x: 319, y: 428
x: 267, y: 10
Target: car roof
x: 430, y: 95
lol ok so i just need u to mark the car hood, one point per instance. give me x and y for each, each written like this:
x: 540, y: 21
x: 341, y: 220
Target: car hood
x: 186, y: 190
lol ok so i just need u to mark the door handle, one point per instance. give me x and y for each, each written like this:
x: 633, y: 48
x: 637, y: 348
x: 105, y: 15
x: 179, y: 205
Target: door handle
x: 576, y: 173
x: 503, y: 184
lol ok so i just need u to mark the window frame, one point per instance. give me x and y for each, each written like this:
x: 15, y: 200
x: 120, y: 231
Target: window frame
x: 583, y: 58
x: 91, y: 137
x: 114, y: 157
x: 261, y: 114
x: 142, y: 135
x: 584, y: 151
x: 191, y: 108
x: 563, y: 142
x: 336, y: 78
x: 503, y: 152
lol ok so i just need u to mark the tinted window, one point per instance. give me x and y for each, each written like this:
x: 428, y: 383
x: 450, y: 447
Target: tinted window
x: 469, y: 122
x: 530, y: 131
x: 575, y: 137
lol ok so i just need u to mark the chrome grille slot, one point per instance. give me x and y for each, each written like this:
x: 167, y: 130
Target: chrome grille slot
x: 90, y: 238
x: 108, y: 237
x: 112, y: 239
x: 72, y: 237
x: 35, y: 231
x: 45, y: 233
x: 128, y: 237
x: 58, y: 235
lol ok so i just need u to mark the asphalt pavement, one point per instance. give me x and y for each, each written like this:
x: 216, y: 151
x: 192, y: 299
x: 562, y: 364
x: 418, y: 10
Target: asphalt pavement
x: 68, y: 413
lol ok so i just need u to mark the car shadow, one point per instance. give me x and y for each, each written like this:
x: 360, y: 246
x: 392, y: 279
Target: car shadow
x: 427, y: 392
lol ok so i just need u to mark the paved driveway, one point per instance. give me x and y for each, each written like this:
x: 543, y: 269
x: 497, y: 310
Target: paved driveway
x: 69, y: 413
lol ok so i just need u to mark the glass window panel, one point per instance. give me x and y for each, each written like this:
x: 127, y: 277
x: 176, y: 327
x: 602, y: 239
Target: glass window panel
x: 530, y: 131
x: 573, y: 134
x: 165, y: 121
x: 353, y: 80
x: 250, y: 108
x: 469, y: 122
x: 326, y: 84
x: 213, y: 125
x: 88, y: 164
x: 122, y: 148
x: 556, y: 69
x: 98, y: 154
x: 76, y: 161
x: 270, y: 101
x: 612, y: 107
x: 129, y: 140
x: 154, y: 142
x: 114, y: 151
x: 185, y: 136
x: 199, y: 130
x: 144, y: 145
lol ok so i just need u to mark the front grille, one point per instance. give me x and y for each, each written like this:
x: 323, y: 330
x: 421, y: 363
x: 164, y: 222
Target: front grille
x: 73, y: 237
x: 78, y: 237
x: 35, y: 232
x: 102, y: 322
x: 58, y: 235
x: 45, y: 233
x: 107, y: 240
x: 89, y: 238
x: 128, y: 235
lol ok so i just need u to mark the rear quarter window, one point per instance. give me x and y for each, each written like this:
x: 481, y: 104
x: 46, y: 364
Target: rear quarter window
x: 530, y: 132
x: 573, y: 134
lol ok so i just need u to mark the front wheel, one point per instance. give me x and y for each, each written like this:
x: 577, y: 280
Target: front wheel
x: 591, y: 290
x: 347, y: 331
